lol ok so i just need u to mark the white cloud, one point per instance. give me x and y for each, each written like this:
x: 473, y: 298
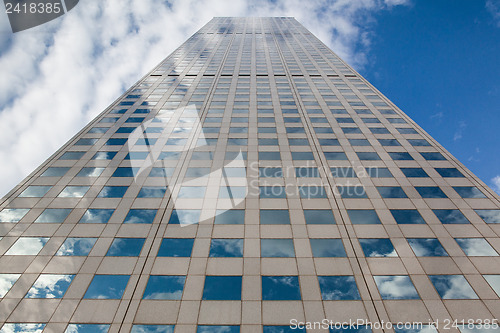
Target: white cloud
x: 59, y: 76
x: 493, y: 6
x: 459, y: 133
x: 496, y: 183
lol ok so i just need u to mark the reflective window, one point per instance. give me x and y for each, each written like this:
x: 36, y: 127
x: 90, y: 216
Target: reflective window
x: 6, y: 282
x: 312, y: 192
x: 427, y: 247
x: 90, y: 172
x: 107, y: 287
x: 400, y: 156
x: 414, y: 172
x: 352, y: 192
x: 272, y: 192
x: 363, y: 216
x: 277, y: 247
x: 73, y: 191
x: 327, y: 247
x: 140, y: 216
x: 306, y: 172
x: 336, y: 288
x: 226, y: 247
x: 217, y: 329
x: 27, y: 246
x: 164, y: 287
x: 377, y: 247
x: 282, y: 329
x: 268, y: 142
x: 449, y: 172
x: 379, y: 172
x: 152, y: 192
x: 379, y: 130
x: 222, y: 288
x: 22, y: 328
x: 270, y: 156
x: 197, y: 172
x: 280, y: 288
x: 270, y: 172
x: 430, y: 192
x: 35, y: 191
x: 125, y: 247
x: 477, y: 329
x: 54, y: 172
x: 185, y: 216
x: 359, y: 142
x: 335, y: 156
x: 85, y: 142
x: 298, y: 142
x: 232, y: 216
x: 346, y: 172
x: 433, y: 156
x: 476, y: 247
x: 452, y: 287
x: 450, y: 216
x: 126, y: 172
x: 407, y: 216
x: 50, y: 286
x: 112, y: 192
x: 319, y: 216
x: 329, y: 142
x: 395, y: 287
x: 12, y: 215
x: 274, y: 216
x: 389, y: 142
x: 76, y: 247
x: 469, y: 192
x: 176, y: 247
x: 351, y: 130
x: 72, y: 155
x: 419, y: 142
x: 493, y: 280
x: 232, y: 192
x: 389, y: 192
x: 161, y: 172
x: 197, y: 155
x: 407, y: 131
x: 489, y: 215
x: 97, y: 216
x: 368, y: 156
x: 104, y: 155
x: 152, y: 329
x: 87, y: 328
x: 417, y: 329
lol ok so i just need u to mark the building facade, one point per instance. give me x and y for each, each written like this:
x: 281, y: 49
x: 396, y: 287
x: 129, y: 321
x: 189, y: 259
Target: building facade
x: 251, y: 182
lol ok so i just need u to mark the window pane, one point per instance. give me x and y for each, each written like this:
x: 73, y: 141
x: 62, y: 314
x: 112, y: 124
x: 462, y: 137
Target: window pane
x: 140, y: 216
x: 176, y: 247
x: 377, y: 247
x: 97, y: 216
x: 222, y: 288
x: 152, y: 329
x: 352, y: 192
x: 226, y: 248
x: 54, y: 172
x: 87, y: 328
x: 22, y: 328
x: 417, y: 329
x: 152, y: 192
x: 280, y: 288
x: 335, y: 156
x: 319, y: 216
x: 379, y: 172
x: 324, y: 247
x: 217, y: 329
x: 368, y: 156
x: 414, y: 172
x: 12, y: 214
x: 346, y: 172
x: 164, y: 287
x: 50, y: 286
x: 407, y: 216
x: 53, y: 215
x: 395, y: 287
x: 452, y: 287
x: 35, y: 191
x: 113, y: 192
x: 104, y: 155
x: 400, y: 156
x: 476, y: 247
x: 335, y: 288
x: 125, y: 247
x: 363, y: 216
x: 283, y: 329
x: 73, y: 192
x: 270, y: 172
x: 185, y: 216
x: 493, y: 280
x: 275, y: 247
x: 427, y: 247
x: 450, y: 216
x: 489, y: 215
x: 306, y: 172
x: 272, y: 192
x: 107, y: 287
x: 6, y: 282
x: 389, y: 192
x: 90, y: 172
x: 469, y: 192
x: 27, y: 246
x: 76, y: 247
x: 312, y: 192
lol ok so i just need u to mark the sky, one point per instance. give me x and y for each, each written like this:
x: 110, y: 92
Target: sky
x: 436, y: 60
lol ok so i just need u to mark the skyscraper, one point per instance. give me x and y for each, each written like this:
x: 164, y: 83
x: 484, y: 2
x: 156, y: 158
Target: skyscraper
x: 251, y: 182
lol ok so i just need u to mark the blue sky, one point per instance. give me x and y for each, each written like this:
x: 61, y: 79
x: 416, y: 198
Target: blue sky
x: 436, y: 60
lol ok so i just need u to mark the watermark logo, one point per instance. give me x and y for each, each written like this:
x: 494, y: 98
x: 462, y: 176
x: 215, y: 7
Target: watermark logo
x: 26, y: 14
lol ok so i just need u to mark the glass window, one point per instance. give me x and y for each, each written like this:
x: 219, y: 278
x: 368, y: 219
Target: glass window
x: 283, y: 329
x: 268, y: 142
x: 76, y: 247
x: 277, y: 247
x: 352, y: 192
x: 450, y: 216
x: 107, y: 287
x: 395, y: 287
x: 476, y: 247
x: 377, y: 247
x: 222, y: 288
x: 97, y: 216
x: 480, y: 328
x: 452, y: 287
x: 87, y: 328
x: 280, y: 288
x: 22, y: 328
x: 407, y: 216
x: 126, y: 172
x: 379, y: 130
x: 35, y: 191
x: 407, y: 131
x: 469, y: 192
x: 266, y: 172
x: 493, y: 280
x: 176, y: 247
x: 104, y: 155
x: 368, y: 156
x: 306, y: 172
x: 85, y: 142
x: 338, y: 288
x: 375, y: 172
x: 6, y: 282
x: 419, y: 142
x: 329, y: 142
x: 161, y: 172
x: 226, y: 247
x: 232, y: 216
x: 414, y: 172
x: 327, y: 247
x: 185, y: 216
x: 112, y: 192
x: 164, y: 287
x: 90, y: 172
x: 430, y: 192
x: 231, y: 192
x: 298, y: 142
x: 319, y: 216
x: 359, y: 142
x: 54, y: 172
x: 73, y: 191
x: 389, y: 192
x: 12, y: 215
x: 218, y: 329
x: 400, y: 156
x: 270, y: 156
x: 27, y: 246
x: 274, y: 216
x: 489, y: 215
x: 50, y: 286
x: 345, y: 172
x: 433, y: 156
x: 427, y: 247
x: 235, y: 172
x: 197, y: 155
x: 152, y: 329
x: 140, y: 216
x: 417, y: 329
x: 449, y: 172
x: 125, y: 247
x: 363, y: 216
x: 153, y: 192
x: 72, y: 155
x: 272, y: 192
x: 115, y: 141
x: 335, y: 156
x: 312, y: 192
x: 351, y: 130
